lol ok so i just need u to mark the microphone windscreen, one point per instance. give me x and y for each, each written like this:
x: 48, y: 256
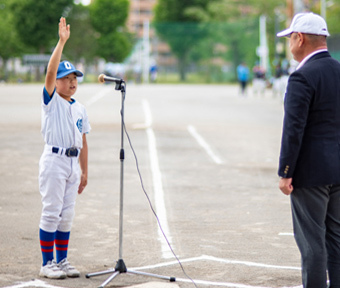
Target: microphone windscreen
x: 101, y: 78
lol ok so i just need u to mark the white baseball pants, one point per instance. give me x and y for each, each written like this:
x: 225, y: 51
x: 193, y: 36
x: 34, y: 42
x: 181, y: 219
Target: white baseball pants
x: 59, y: 178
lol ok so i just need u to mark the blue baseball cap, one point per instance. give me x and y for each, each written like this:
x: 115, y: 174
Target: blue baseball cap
x: 66, y: 68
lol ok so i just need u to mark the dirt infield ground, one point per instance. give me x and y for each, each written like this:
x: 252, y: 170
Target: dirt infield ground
x: 208, y: 159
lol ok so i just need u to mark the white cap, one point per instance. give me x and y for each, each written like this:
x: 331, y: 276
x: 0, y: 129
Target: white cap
x: 308, y: 23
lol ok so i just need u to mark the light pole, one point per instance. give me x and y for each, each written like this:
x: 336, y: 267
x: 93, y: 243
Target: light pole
x: 323, y: 9
x: 299, y: 6
x: 263, y: 48
x: 324, y: 4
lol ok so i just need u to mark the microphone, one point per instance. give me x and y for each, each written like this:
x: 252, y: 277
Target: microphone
x: 103, y: 78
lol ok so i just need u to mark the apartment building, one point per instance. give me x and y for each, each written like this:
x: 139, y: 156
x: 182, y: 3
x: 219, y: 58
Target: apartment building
x: 142, y: 12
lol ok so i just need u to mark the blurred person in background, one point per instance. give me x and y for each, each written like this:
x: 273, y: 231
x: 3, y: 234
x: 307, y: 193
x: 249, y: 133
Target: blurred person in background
x: 243, y: 77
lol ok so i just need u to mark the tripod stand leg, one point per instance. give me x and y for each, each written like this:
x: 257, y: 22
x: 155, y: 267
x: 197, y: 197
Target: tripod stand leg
x: 114, y: 271
x: 108, y: 280
x: 171, y: 279
x: 100, y: 273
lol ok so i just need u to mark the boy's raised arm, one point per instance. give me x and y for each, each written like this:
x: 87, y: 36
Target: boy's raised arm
x: 52, y: 68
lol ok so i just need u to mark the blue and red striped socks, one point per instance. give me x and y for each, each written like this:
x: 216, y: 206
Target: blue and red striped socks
x: 47, y: 240
x: 61, y: 245
x: 46, y: 244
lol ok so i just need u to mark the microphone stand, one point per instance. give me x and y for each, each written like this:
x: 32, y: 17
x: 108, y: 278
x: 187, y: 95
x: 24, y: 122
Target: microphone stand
x: 120, y: 266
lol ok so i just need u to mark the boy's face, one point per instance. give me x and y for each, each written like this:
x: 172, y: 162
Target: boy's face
x: 67, y: 85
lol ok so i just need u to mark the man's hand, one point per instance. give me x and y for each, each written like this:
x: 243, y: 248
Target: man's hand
x: 286, y: 186
x: 83, y: 183
x: 64, y: 30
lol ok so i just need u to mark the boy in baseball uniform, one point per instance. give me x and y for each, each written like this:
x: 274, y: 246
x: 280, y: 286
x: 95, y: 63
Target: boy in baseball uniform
x: 63, y: 164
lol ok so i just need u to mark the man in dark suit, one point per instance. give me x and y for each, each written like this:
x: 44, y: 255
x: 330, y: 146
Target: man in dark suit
x: 309, y: 166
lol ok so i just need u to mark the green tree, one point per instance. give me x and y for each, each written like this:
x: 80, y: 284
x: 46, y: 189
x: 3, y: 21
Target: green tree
x: 10, y: 44
x: 36, y: 21
x: 244, y: 15
x: 183, y: 37
x: 239, y: 49
x: 108, y: 19
x: 176, y: 22
x: 82, y: 44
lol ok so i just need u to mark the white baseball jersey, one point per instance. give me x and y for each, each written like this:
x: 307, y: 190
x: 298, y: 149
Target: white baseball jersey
x: 63, y: 123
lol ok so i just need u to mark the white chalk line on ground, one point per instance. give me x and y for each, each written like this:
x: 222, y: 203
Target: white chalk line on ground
x: 286, y: 234
x: 157, y: 184
x: 34, y: 283
x: 221, y: 260
x: 226, y: 284
x: 200, y: 140
x: 99, y: 95
x: 42, y: 284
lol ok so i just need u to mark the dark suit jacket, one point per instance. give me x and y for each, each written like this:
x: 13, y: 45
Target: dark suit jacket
x: 310, y: 147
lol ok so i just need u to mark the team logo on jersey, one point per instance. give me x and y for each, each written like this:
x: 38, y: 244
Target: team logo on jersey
x: 80, y: 125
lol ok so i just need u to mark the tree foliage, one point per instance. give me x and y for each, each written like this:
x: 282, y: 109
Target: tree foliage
x: 246, y: 14
x: 36, y: 21
x: 194, y: 29
x: 82, y: 43
x: 232, y: 23
x: 10, y: 44
x: 176, y: 22
x: 108, y: 19
x: 97, y: 30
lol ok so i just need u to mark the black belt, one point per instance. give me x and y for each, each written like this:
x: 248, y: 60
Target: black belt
x: 70, y: 152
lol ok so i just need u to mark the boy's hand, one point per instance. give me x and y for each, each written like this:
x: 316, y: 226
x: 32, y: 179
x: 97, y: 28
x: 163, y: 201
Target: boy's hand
x: 52, y: 68
x: 64, y: 30
x: 82, y: 184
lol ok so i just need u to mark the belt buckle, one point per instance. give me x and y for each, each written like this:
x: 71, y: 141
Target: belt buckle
x: 55, y: 150
x: 71, y: 152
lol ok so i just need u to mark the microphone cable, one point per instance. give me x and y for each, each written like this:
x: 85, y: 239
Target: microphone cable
x: 149, y: 201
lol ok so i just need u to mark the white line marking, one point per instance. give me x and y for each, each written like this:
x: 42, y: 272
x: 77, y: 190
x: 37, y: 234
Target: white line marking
x: 204, y: 144
x: 247, y: 263
x: 157, y: 184
x: 103, y: 92
x: 226, y: 261
x: 33, y: 283
x: 147, y: 113
x: 286, y: 234
x: 39, y: 283
x: 221, y: 260
x: 224, y: 284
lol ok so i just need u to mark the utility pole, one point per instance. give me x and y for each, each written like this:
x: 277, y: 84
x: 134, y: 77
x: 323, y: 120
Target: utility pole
x: 293, y: 7
x: 299, y: 6
x: 290, y: 11
x: 262, y: 50
x: 323, y: 9
x: 146, y: 51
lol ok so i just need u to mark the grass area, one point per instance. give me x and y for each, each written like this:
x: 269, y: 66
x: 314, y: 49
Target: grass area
x: 162, y: 78
x: 193, y: 78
